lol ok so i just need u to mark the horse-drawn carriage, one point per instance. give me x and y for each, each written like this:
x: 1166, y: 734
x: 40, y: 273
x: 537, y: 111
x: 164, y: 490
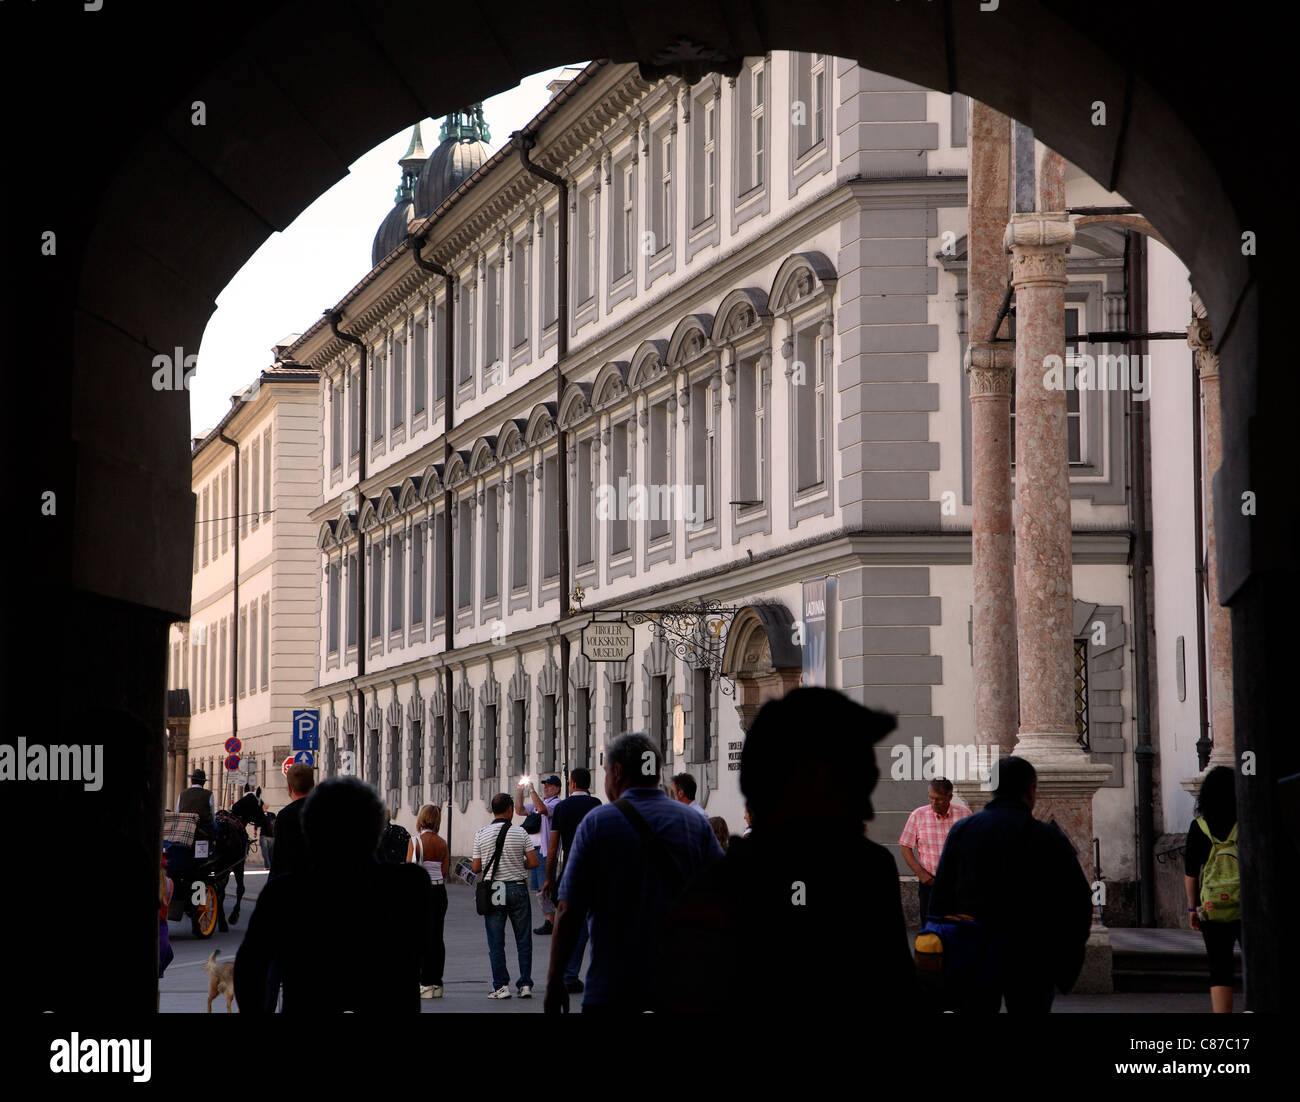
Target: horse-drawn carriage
x: 199, y: 866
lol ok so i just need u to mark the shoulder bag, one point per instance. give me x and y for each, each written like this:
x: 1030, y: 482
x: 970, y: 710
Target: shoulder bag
x: 483, y: 888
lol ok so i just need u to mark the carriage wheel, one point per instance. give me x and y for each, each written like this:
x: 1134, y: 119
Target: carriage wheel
x: 205, y: 915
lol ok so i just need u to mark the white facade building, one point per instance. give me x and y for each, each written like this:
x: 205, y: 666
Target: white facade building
x: 766, y: 309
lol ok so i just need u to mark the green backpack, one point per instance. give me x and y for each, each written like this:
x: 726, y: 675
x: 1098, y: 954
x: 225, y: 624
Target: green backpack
x: 1220, y: 879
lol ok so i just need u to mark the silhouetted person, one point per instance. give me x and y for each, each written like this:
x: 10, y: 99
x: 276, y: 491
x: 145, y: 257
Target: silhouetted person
x: 350, y: 934
x: 290, y: 851
x: 1214, y: 828
x: 805, y: 906
x: 631, y: 860
x: 1020, y: 879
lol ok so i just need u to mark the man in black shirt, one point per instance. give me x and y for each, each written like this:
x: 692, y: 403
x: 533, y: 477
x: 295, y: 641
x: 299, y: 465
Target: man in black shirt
x: 564, y: 825
x: 1020, y: 879
x: 290, y: 851
x: 383, y: 911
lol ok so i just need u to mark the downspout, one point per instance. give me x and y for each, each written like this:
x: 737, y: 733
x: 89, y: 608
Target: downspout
x: 363, y: 639
x: 526, y: 141
x: 448, y: 612
x: 1143, y: 752
x: 234, y: 619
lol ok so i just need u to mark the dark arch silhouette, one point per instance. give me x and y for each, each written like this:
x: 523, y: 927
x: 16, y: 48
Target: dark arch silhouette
x: 153, y: 215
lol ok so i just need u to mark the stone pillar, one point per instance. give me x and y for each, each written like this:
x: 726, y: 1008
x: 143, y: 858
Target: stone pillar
x: 990, y: 366
x: 1067, y: 780
x: 1219, y: 620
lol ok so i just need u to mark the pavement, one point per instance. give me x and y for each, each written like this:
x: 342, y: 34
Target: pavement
x: 467, y: 977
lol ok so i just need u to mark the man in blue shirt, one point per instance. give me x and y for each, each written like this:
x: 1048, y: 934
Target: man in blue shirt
x: 631, y: 860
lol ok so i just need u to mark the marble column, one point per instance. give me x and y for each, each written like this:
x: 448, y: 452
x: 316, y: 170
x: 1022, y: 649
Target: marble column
x: 990, y: 366
x: 1219, y: 619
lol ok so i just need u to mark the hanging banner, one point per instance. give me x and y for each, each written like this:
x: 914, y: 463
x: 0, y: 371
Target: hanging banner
x: 819, y: 599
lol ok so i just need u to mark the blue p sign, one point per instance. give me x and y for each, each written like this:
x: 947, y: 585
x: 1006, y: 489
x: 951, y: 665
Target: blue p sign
x: 306, y: 729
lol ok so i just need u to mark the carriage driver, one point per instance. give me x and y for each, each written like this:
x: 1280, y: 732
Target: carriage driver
x: 199, y: 800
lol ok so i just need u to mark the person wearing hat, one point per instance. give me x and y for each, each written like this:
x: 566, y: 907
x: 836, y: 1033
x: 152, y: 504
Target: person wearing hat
x: 199, y: 800
x: 544, y: 807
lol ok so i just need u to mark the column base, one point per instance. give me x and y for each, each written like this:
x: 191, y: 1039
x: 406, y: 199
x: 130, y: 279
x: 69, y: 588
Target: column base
x: 1097, y: 977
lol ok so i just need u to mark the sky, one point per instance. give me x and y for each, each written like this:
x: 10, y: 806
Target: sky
x: 299, y: 273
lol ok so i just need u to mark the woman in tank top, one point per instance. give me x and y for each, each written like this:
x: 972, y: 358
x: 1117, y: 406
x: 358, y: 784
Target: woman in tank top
x: 432, y: 854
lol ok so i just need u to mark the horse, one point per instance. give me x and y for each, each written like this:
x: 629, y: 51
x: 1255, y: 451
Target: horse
x: 247, y: 809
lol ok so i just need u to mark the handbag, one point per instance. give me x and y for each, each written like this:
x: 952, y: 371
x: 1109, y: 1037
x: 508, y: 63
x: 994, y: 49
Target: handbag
x: 532, y: 822
x: 483, y: 889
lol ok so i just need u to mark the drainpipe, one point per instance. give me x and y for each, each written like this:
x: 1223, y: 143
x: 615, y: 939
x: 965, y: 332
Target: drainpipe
x: 363, y: 639
x: 234, y: 619
x: 525, y: 142
x: 1143, y: 752
x: 449, y: 615
x: 1203, y: 744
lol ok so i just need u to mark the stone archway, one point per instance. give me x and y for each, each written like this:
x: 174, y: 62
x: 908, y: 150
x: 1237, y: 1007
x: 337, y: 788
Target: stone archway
x: 760, y: 658
x: 161, y: 214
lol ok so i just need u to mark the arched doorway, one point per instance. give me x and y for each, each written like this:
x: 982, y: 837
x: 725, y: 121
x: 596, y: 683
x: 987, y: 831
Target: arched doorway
x: 761, y: 658
x: 160, y: 212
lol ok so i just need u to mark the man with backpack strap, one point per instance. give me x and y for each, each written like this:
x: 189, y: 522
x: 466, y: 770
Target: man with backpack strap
x: 503, y: 854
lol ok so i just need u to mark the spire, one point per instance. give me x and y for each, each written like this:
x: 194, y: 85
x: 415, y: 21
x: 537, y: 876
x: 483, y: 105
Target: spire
x: 411, y: 161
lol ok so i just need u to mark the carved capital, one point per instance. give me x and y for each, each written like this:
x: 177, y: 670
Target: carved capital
x: 1200, y: 339
x: 992, y: 369
x: 1038, y: 244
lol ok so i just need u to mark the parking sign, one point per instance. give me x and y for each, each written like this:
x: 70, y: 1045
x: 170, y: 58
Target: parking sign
x: 306, y: 729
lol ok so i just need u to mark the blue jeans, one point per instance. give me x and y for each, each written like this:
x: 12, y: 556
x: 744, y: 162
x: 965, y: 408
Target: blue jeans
x: 575, y: 961
x: 520, y: 912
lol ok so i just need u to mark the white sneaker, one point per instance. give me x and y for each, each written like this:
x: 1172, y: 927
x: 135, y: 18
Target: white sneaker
x: 426, y: 991
x: 500, y: 993
x: 525, y: 992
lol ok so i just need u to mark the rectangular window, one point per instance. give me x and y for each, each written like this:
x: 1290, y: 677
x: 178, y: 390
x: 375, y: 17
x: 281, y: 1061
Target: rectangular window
x: 254, y: 483
x: 1081, y: 692
x: 465, y: 359
x: 519, y: 531
x: 251, y: 647
x: 198, y: 529
x: 396, y: 584
x: 749, y: 431
x: 399, y: 379
x: 582, y: 728
x: 207, y: 524
x: 620, y: 527
x: 624, y: 222
x: 464, y: 564
x: 266, y: 475
x: 519, y: 293
x: 492, y: 334
x: 550, y: 517
x: 491, y: 753
x: 417, y: 576
x: 662, y: 204
x: 519, y: 759
x: 757, y: 125
x: 584, y: 505
x: 817, y: 105
x: 395, y: 760
x: 332, y: 606
x: 354, y: 414
x: 618, y: 708
x: 659, y: 713
x: 701, y: 716
x: 660, y: 516
x: 703, y: 444
x: 439, y: 562
x: 213, y: 649
x: 809, y: 419
x: 352, y: 600
x: 439, y: 338
x: 241, y: 653
x: 586, y: 268
x: 438, y: 755
x: 550, y: 268
x: 266, y: 641
x: 223, y: 647
x: 462, y: 745
x: 378, y: 373
x: 710, y: 160
x: 336, y: 426
x: 225, y: 511
x: 195, y: 681
x: 491, y: 545
x: 419, y: 364
x: 548, y: 733
x: 376, y: 589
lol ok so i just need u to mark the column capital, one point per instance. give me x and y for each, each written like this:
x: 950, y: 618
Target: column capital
x: 1200, y: 339
x: 1038, y: 242
x: 992, y: 369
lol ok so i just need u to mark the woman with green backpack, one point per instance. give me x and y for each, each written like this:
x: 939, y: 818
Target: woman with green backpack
x: 1212, y: 880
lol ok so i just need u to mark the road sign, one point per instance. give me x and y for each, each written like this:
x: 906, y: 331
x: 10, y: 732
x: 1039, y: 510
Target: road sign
x: 306, y: 729
x: 285, y: 767
x: 233, y: 745
x: 305, y: 757
x: 608, y: 641
x: 232, y: 762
